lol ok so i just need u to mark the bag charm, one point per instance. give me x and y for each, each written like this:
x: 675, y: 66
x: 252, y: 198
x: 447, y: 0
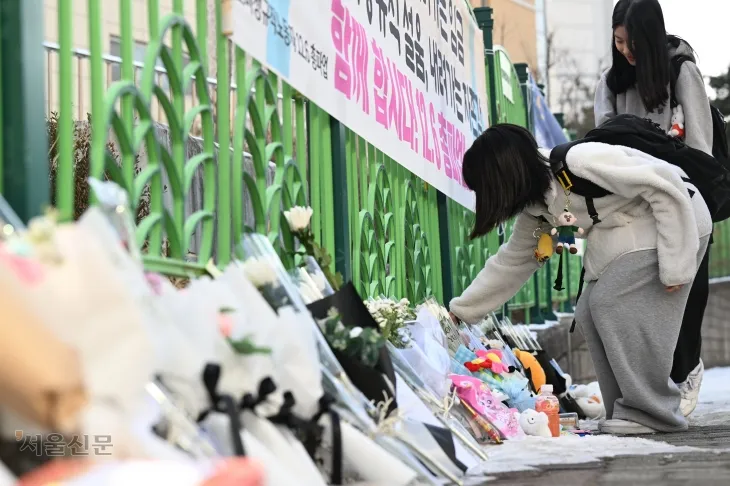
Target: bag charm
x: 565, y: 229
x: 544, y: 249
x: 545, y: 245
x: 677, y: 129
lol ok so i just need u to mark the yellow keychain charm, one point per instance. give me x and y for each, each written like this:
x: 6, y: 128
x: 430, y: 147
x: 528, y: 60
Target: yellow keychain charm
x: 544, y: 249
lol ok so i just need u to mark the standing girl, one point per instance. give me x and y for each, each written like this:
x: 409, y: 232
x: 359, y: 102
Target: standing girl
x: 639, y: 83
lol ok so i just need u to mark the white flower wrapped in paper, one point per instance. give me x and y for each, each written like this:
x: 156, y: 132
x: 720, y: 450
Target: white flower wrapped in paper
x: 298, y: 218
x: 259, y: 272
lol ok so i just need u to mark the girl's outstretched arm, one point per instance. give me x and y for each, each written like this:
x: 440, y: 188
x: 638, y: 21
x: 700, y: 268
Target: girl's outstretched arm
x: 502, y: 276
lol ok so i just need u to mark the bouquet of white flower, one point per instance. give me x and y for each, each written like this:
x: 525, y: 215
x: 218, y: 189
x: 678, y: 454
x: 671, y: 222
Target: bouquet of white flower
x: 361, y: 344
x: 263, y: 276
x: 392, y: 317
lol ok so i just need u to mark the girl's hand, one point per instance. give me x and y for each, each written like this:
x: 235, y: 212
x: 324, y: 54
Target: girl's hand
x: 453, y: 318
x: 674, y: 288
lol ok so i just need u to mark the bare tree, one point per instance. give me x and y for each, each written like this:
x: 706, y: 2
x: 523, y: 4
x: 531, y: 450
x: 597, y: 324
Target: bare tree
x: 555, y: 56
x: 577, y: 96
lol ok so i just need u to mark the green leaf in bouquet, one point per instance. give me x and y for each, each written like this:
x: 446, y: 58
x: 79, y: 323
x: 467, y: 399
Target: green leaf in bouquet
x: 246, y: 346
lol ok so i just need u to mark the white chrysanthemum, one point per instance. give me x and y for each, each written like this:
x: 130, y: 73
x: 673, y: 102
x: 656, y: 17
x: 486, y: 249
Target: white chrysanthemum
x: 298, y: 217
x: 355, y: 332
x: 259, y: 272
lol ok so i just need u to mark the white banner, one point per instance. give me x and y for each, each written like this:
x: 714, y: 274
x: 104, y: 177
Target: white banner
x: 406, y: 75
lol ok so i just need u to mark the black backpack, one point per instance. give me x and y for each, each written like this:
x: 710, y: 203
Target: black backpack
x: 710, y: 175
x: 719, y: 135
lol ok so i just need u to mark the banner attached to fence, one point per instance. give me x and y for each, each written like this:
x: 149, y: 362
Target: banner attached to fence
x: 548, y: 131
x: 407, y: 75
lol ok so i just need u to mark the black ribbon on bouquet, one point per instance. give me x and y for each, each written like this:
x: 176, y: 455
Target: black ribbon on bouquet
x: 223, y: 404
x: 377, y: 382
x: 266, y: 388
x: 309, y: 431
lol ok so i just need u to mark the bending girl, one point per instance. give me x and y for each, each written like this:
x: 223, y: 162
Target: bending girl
x: 642, y: 256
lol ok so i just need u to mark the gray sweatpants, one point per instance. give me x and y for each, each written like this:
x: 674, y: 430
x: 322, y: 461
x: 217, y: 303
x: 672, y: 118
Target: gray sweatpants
x: 631, y: 325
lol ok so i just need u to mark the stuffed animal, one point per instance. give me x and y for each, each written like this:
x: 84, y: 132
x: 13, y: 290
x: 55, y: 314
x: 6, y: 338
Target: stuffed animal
x: 497, y: 359
x: 491, y: 360
x: 535, y: 423
x: 478, y: 364
x: 565, y: 230
x: 532, y: 367
x: 677, y: 129
x: 589, y: 399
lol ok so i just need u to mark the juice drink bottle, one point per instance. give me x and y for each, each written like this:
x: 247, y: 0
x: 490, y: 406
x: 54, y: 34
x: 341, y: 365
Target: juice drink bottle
x: 548, y: 403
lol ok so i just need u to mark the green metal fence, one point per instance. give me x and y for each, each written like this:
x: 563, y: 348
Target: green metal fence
x: 208, y: 145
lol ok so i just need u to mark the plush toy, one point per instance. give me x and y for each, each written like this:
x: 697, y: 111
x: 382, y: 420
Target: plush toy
x: 535, y: 423
x: 487, y: 360
x: 589, y: 399
x: 497, y: 359
x: 478, y: 364
x: 565, y: 231
x: 532, y: 368
x: 677, y: 129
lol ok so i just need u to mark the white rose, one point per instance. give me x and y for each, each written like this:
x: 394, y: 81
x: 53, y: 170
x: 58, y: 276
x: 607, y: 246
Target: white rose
x: 259, y: 272
x: 355, y: 332
x: 298, y: 217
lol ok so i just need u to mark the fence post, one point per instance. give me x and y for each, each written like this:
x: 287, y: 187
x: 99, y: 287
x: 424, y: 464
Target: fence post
x: 445, y: 240
x: 523, y: 75
x: 23, y: 126
x: 343, y: 261
x: 486, y: 24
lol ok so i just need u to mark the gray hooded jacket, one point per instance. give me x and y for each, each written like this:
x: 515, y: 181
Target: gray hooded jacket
x: 690, y: 94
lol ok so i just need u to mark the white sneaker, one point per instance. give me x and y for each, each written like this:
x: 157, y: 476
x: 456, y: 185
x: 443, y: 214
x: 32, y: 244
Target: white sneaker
x: 624, y: 427
x: 690, y: 390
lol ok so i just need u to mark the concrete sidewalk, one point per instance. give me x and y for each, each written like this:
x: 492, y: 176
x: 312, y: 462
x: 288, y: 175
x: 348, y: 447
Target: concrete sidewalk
x: 708, y: 465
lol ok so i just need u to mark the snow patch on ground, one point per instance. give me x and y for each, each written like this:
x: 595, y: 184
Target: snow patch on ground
x: 714, y: 404
x: 713, y: 409
x: 537, y: 451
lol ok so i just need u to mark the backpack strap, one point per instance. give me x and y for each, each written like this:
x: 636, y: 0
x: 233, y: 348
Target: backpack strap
x: 675, y: 67
x: 581, y: 282
x: 569, y: 181
x: 591, y: 207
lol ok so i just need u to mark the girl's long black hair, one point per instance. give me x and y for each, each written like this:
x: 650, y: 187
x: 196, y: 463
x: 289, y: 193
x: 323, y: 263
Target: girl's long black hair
x: 507, y: 173
x: 649, y: 43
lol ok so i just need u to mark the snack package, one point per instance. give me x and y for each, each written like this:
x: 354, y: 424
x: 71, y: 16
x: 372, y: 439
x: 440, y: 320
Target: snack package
x: 476, y: 395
